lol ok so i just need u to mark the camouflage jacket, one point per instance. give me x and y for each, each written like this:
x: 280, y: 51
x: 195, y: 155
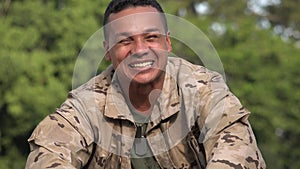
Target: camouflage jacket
x: 195, y: 123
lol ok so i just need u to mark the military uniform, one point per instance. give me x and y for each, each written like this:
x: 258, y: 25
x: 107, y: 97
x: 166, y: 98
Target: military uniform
x: 195, y: 123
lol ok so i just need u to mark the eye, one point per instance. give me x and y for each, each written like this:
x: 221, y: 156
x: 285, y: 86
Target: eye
x: 125, y: 41
x: 152, y: 37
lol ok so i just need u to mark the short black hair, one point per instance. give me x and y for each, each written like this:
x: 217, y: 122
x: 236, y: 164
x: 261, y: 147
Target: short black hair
x: 116, y: 6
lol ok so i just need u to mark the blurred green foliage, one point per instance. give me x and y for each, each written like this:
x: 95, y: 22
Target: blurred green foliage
x: 41, y: 39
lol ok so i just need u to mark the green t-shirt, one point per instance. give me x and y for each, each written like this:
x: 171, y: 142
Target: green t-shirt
x: 141, y: 154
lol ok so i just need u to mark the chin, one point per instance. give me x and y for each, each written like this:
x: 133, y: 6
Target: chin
x: 147, y: 78
x: 143, y: 80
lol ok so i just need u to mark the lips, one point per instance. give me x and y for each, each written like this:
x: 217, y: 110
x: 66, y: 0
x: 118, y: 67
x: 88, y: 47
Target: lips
x: 141, y: 65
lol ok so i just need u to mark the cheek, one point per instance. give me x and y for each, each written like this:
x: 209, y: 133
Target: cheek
x: 121, y: 55
x: 160, y: 51
x: 117, y: 52
x: 118, y: 55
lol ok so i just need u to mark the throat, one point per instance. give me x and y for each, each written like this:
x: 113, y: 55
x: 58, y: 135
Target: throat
x: 140, y: 104
x: 143, y: 99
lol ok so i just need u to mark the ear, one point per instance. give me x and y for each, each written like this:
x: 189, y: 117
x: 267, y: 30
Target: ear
x: 169, y: 43
x: 106, y: 48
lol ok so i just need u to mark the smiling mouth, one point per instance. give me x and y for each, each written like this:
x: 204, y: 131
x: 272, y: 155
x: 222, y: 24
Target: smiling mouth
x: 141, y: 64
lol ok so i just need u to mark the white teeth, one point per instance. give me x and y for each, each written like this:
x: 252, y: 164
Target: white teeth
x: 141, y: 65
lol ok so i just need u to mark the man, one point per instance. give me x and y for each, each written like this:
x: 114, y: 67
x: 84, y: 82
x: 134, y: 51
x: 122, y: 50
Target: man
x: 146, y: 110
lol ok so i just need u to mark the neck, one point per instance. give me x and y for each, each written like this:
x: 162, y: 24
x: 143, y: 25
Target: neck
x: 143, y: 96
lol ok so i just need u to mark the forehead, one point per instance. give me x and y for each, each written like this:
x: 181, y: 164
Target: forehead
x: 135, y: 20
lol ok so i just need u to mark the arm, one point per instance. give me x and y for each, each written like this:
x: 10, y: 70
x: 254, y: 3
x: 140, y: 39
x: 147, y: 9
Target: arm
x: 56, y: 143
x: 234, y: 147
x: 229, y: 140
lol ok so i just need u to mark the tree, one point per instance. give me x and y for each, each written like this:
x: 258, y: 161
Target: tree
x: 261, y: 66
x: 40, y: 43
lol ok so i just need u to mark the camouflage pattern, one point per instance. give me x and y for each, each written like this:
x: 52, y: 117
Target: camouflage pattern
x: 196, y: 123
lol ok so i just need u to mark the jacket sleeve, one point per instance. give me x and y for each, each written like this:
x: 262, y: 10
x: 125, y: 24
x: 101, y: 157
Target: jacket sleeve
x: 226, y: 134
x: 58, y: 143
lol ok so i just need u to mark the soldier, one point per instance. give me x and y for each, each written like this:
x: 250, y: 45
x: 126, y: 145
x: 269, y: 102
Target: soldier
x: 146, y: 110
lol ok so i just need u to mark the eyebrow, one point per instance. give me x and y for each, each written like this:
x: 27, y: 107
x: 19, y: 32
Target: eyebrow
x: 128, y: 34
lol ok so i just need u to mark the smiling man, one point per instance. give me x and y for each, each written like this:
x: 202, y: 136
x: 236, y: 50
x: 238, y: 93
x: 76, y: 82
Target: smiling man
x: 147, y: 110
x: 138, y: 44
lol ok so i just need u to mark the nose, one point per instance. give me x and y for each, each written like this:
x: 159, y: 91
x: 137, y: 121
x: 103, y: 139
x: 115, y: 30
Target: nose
x: 140, y: 48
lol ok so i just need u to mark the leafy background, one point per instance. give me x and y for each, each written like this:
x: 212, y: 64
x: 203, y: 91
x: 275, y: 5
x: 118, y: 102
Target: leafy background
x: 258, y: 42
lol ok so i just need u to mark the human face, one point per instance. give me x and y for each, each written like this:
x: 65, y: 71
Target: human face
x: 137, y: 44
